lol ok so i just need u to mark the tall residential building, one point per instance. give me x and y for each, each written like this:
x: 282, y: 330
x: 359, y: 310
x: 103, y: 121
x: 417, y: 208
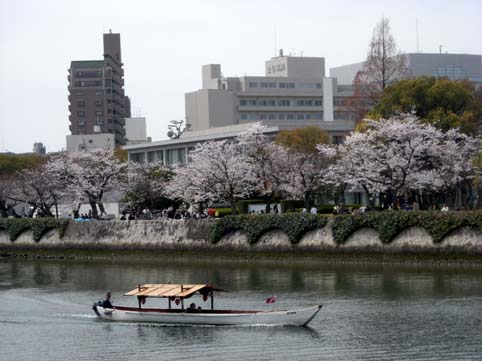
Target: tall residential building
x: 97, y: 102
x: 293, y: 93
x: 451, y: 66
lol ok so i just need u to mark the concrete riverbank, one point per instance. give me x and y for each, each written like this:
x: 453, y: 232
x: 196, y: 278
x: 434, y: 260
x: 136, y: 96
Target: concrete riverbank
x: 160, y: 236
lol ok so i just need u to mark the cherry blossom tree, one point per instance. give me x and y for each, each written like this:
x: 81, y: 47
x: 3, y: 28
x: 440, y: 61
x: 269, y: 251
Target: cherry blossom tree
x: 305, y: 163
x: 218, y: 171
x: 267, y: 158
x: 146, y: 183
x: 42, y: 187
x: 400, y: 155
x: 95, y: 173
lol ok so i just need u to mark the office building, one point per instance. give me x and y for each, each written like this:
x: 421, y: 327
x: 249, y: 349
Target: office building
x: 451, y: 66
x: 293, y: 93
x: 97, y: 102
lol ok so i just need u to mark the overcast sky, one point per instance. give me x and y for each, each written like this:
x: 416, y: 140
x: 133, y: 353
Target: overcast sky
x: 165, y: 43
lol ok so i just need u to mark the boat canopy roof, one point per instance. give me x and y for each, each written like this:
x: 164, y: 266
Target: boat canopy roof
x: 172, y: 290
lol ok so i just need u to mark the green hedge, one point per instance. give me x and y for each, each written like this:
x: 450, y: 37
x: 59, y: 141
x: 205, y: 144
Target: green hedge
x: 294, y: 225
x: 16, y: 226
x: 389, y: 224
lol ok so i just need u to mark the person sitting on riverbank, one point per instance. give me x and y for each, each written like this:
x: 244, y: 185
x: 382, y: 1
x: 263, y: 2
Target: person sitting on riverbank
x: 107, y: 302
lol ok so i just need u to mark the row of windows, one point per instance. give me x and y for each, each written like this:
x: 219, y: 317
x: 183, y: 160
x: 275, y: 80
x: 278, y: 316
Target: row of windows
x: 97, y: 92
x: 282, y: 102
x: 88, y: 83
x: 281, y: 116
x: 81, y: 103
x: 81, y: 113
x: 88, y: 74
x: 345, y: 115
x: 284, y: 85
x: 173, y: 156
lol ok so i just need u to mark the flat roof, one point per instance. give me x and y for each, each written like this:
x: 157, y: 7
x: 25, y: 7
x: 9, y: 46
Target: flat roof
x: 164, y: 290
x: 200, y: 136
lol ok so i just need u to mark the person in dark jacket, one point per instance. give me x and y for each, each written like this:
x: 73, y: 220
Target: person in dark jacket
x: 107, y: 302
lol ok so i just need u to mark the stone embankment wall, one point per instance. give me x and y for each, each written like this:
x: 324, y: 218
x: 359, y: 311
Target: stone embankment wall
x: 194, y: 235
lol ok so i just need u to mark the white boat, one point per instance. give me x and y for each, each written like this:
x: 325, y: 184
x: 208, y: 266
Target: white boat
x: 177, y: 293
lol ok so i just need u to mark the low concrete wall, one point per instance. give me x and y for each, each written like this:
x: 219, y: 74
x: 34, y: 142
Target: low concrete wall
x: 182, y: 235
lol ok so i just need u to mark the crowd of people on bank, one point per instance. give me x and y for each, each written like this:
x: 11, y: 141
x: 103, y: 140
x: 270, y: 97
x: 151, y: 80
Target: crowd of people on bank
x: 211, y: 212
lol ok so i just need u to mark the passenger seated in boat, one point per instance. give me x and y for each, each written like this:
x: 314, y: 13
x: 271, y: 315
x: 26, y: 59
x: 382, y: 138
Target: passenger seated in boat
x: 107, y: 303
x: 192, y: 308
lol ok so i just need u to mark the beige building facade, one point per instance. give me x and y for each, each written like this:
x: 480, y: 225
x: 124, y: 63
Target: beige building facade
x: 293, y: 93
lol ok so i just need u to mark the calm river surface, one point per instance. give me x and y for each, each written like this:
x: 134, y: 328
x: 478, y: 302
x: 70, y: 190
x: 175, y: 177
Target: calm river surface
x: 369, y: 313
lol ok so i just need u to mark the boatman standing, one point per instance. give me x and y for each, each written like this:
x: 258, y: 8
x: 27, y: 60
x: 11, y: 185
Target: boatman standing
x: 107, y: 302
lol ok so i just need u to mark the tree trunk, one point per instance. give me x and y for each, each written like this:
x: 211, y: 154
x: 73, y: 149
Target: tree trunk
x: 101, y: 208
x: 93, y: 205
x: 233, y: 207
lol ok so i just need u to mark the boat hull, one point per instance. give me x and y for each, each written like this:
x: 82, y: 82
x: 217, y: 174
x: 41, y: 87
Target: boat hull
x: 300, y: 317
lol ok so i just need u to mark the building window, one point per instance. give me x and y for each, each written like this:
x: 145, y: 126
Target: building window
x: 80, y: 94
x: 281, y: 116
x: 338, y: 139
x: 252, y: 102
x: 284, y: 102
x: 99, y: 103
x: 176, y: 156
x: 155, y: 156
x: 81, y: 113
x: 81, y: 104
x: 253, y: 84
x: 271, y: 116
x: 99, y: 122
x: 318, y: 85
x: 290, y: 85
x: 290, y: 116
x: 99, y: 113
x: 272, y: 102
x: 282, y: 85
x: 81, y: 124
x: 243, y: 102
x: 272, y: 85
x: 318, y: 103
x: 244, y: 116
x: 300, y: 116
x: 137, y: 157
x: 262, y: 116
x: 252, y: 116
x: 91, y: 141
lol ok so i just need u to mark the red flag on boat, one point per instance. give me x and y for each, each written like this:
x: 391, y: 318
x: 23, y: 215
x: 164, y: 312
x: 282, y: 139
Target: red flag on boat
x: 272, y: 299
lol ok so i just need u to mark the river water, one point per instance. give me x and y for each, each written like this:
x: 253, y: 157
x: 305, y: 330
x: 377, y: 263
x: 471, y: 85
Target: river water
x: 369, y: 313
